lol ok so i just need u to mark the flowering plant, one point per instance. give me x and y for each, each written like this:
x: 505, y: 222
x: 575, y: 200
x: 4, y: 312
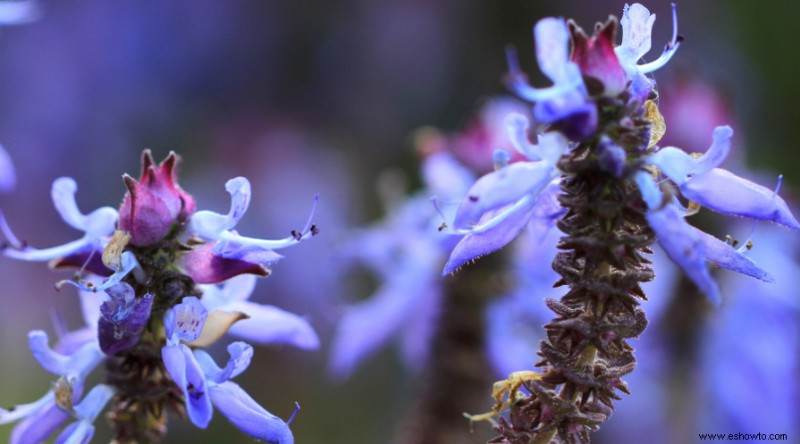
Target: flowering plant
x: 158, y: 282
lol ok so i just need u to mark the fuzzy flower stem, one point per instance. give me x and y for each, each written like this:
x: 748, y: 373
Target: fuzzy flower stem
x: 585, y: 354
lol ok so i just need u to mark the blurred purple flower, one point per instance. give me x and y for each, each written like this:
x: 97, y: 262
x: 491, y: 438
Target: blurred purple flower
x: 8, y: 177
x: 404, y: 251
x: 567, y: 99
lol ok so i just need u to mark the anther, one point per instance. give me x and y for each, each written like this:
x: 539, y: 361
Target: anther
x: 296, y: 409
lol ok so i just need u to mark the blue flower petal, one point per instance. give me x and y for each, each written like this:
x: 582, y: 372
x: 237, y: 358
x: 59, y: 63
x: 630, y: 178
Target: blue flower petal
x: 82, y: 431
x: 241, y: 355
x: 723, y: 255
x: 501, y: 188
x: 723, y: 191
x: 685, y: 247
x: 185, y: 321
x: 268, y: 324
x: 40, y: 425
x: 243, y: 412
x: 485, y: 242
x: 444, y: 176
x: 386, y: 311
x: 185, y: 371
x: 680, y: 166
x: 83, y: 361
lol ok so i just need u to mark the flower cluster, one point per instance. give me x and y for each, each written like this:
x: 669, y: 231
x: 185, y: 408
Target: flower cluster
x: 598, y: 173
x: 158, y: 281
x: 500, y: 204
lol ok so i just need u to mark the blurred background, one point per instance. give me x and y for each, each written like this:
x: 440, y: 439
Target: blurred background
x: 304, y: 97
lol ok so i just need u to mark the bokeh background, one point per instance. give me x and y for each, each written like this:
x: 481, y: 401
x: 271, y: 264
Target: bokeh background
x: 304, y: 97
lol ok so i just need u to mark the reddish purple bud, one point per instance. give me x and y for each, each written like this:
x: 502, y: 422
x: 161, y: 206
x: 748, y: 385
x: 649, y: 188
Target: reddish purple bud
x: 204, y: 267
x: 155, y: 202
x: 597, y: 60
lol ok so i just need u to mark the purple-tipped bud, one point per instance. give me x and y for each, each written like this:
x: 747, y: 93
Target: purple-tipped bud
x: 155, y: 202
x: 122, y: 318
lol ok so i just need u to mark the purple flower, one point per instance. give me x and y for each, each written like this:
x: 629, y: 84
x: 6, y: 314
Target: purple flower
x: 637, y: 25
x: 41, y: 418
x: 403, y: 251
x: 123, y: 317
x: 227, y: 253
x: 500, y: 204
x: 565, y: 102
x: 698, y: 179
x: 154, y: 203
x: 184, y: 322
x: 82, y: 430
x: 203, y: 383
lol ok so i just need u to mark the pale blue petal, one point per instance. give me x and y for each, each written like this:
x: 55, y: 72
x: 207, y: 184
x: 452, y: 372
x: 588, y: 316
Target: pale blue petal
x: 210, y: 225
x: 185, y: 321
x: 723, y: 191
x: 100, y: 222
x: 185, y: 371
x: 651, y: 194
x: 517, y: 125
x: 723, y: 255
x: 637, y: 27
x: 8, y: 177
x: 83, y: 361
x: 501, y: 188
x: 246, y: 249
x: 243, y: 412
x: 63, y: 194
x: 680, y: 166
x: 79, y: 432
x: 478, y: 244
x: 68, y: 343
x: 445, y: 177
x: 91, y: 405
x: 546, y: 211
x: 271, y: 325
x: 684, y: 247
x: 48, y: 254
x: 21, y: 411
x: 385, y: 312
x: 240, y: 356
x: 235, y: 289
x: 40, y: 425
x: 552, y: 47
